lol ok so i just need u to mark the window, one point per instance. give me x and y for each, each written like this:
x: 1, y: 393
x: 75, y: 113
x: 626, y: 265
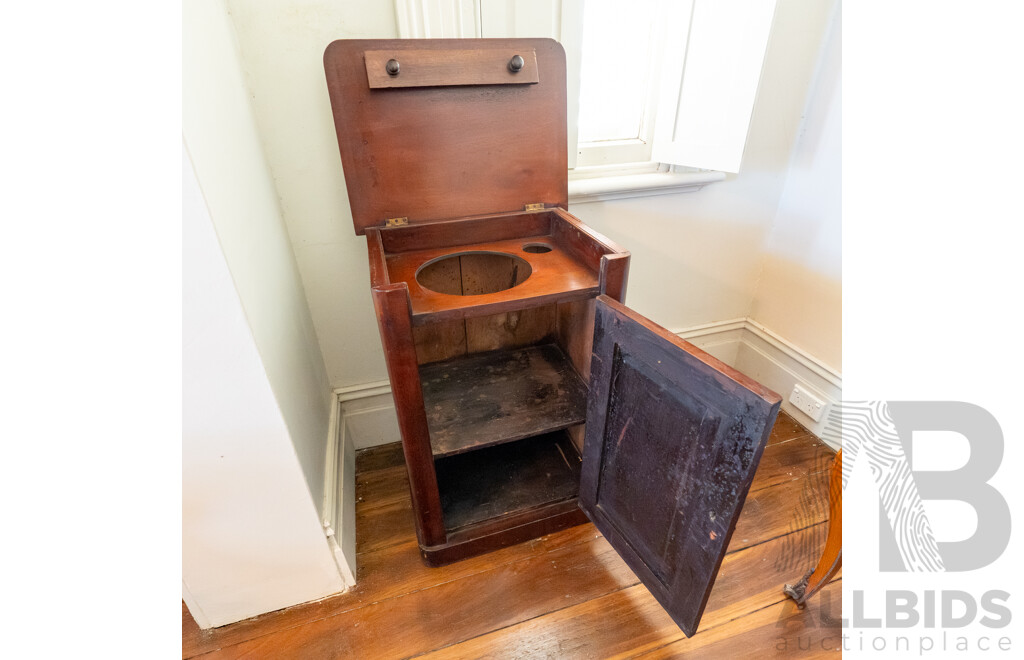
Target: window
x: 678, y: 77
x: 654, y: 85
x: 618, y: 90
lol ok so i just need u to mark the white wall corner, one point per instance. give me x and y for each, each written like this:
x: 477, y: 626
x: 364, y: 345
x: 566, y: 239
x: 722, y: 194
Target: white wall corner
x: 721, y: 339
x: 780, y: 365
x: 196, y: 610
x: 757, y: 352
x: 339, y: 509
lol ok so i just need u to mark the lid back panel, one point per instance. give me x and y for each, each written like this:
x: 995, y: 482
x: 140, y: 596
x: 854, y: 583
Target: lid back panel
x: 437, y: 152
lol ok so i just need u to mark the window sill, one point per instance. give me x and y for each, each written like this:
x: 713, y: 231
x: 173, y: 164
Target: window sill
x: 587, y: 187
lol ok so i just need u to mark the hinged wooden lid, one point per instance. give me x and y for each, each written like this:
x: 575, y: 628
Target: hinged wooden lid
x: 460, y: 130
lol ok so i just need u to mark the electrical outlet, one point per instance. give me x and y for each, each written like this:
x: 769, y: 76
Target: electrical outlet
x: 807, y: 403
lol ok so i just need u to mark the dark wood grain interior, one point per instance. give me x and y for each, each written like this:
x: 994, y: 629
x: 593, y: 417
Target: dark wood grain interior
x: 500, y: 396
x: 532, y: 326
x: 515, y: 329
x: 504, y: 479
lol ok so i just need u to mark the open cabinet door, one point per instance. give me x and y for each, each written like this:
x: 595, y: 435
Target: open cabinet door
x: 672, y: 441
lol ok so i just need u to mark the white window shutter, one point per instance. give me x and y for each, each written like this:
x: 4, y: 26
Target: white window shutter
x: 714, y: 53
x: 438, y: 19
x: 571, y: 37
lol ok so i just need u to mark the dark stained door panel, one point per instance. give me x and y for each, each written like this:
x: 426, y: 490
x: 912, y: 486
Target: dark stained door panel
x: 673, y: 439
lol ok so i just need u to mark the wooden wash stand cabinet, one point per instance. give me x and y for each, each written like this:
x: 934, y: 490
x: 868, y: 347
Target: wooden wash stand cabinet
x: 529, y: 397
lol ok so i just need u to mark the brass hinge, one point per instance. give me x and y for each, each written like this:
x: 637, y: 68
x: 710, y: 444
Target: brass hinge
x: 396, y: 222
x: 534, y: 207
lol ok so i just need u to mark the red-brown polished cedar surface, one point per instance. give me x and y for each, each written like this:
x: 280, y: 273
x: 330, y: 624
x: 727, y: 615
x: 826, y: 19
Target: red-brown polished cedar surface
x: 531, y: 599
x: 555, y: 277
x: 440, y: 152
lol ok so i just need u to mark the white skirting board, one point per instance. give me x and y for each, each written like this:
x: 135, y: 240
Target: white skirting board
x: 779, y: 365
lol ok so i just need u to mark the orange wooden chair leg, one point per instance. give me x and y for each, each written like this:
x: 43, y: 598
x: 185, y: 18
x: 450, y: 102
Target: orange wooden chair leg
x: 832, y: 557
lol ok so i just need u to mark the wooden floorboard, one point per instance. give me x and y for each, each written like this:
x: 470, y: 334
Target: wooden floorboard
x: 385, y: 525
x: 380, y: 457
x: 564, y: 595
x: 786, y: 428
x: 781, y: 509
x: 792, y: 460
x: 630, y: 621
x: 454, y: 611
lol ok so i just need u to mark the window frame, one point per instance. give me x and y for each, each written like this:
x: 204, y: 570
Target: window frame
x: 631, y: 151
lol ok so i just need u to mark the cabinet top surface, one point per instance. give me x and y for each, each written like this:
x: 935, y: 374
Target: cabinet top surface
x: 559, y: 259
x: 455, y: 132
x: 555, y: 275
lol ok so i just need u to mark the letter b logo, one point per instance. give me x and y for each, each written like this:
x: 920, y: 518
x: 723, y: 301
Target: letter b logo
x: 967, y: 484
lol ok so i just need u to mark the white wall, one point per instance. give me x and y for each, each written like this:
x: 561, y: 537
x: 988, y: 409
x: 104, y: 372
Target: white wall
x: 251, y: 537
x: 257, y: 399
x: 225, y: 146
x: 800, y: 291
x: 697, y: 256
x: 282, y: 44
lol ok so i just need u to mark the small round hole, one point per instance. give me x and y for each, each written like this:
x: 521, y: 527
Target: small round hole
x: 536, y: 248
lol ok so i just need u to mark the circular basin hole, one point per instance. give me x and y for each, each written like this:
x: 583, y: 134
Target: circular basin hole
x: 473, y: 273
x: 536, y: 248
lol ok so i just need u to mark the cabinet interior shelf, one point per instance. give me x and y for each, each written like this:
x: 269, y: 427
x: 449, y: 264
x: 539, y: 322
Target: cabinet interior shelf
x: 501, y: 396
x: 507, y: 479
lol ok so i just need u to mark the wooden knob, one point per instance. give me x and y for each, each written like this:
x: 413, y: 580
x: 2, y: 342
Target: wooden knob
x: 515, y: 65
x: 392, y: 67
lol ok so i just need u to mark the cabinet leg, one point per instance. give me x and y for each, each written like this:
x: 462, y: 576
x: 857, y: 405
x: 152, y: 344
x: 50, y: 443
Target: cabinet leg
x: 832, y: 557
x: 394, y: 318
